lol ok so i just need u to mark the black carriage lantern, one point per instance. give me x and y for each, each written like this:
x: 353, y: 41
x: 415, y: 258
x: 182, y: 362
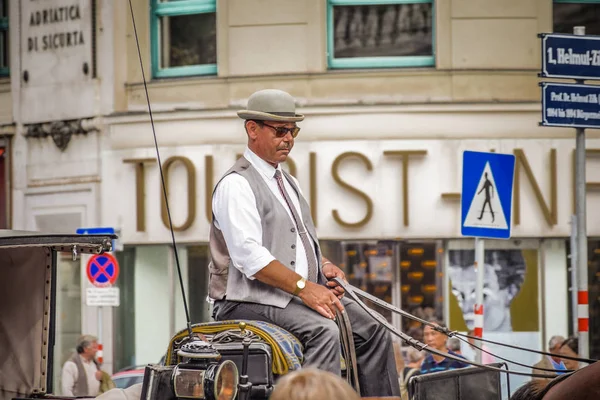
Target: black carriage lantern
x: 202, y: 374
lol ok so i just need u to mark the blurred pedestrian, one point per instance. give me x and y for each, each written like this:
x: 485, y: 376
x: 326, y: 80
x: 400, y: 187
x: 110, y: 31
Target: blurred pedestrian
x: 570, y: 348
x: 413, y: 361
x: 437, y: 340
x: 81, y: 374
x: 551, y: 362
x: 399, y: 354
x: 313, y: 384
x: 416, y: 332
x: 486, y: 357
x: 454, y: 345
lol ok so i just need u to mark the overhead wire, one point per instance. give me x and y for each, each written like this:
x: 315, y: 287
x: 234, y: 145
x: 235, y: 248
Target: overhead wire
x: 162, y: 178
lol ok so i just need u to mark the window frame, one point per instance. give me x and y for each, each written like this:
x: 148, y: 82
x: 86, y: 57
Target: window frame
x: 571, y: 2
x: 576, y: 1
x: 5, y: 71
x: 160, y: 9
x: 377, y: 62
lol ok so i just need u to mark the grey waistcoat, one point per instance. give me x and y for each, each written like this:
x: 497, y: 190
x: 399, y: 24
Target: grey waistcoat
x: 81, y: 386
x: 279, y: 237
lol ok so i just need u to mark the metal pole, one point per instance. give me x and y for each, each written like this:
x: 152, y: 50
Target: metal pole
x: 573, y: 270
x: 582, y: 253
x: 480, y: 266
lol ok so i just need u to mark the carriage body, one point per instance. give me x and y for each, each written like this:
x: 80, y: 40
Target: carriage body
x: 28, y: 267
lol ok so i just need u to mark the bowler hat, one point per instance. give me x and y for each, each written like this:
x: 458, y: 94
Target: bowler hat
x: 271, y: 105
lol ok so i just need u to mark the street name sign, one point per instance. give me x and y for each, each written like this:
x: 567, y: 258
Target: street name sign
x: 570, y: 105
x: 570, y: 56
x: 487, y: 191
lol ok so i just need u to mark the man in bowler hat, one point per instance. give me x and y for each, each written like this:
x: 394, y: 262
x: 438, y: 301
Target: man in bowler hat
x: 266, y: 259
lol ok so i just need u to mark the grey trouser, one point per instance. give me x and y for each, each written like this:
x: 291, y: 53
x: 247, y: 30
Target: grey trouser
x: 320, y: 336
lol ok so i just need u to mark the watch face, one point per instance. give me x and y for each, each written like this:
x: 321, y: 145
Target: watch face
x: 301, y: 284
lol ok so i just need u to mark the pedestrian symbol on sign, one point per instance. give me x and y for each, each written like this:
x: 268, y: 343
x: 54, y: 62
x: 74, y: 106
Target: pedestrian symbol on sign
x: 486, y: 197
x: 487, y: 186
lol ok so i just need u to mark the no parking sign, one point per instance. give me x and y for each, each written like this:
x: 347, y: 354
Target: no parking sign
x: 102, y: 270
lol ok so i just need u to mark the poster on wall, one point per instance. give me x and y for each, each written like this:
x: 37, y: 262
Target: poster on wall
x: 510, y: 302
x: 510, y: 290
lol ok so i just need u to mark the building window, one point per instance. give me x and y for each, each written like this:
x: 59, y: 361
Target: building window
x: 569, y: 13
x: 405, y: 274
x: 184, y: 38
x: 380, y: 33
x: 368, y: 266
x: 4, y: 38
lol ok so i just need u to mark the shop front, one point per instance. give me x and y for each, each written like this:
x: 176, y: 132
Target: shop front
x: 387, y: 212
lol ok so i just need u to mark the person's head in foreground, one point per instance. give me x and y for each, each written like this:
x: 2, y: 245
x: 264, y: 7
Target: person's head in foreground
x: 313, y: 384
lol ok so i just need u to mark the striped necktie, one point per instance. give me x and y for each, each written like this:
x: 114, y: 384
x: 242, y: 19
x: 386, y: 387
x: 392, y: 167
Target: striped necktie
x: 310, y: 255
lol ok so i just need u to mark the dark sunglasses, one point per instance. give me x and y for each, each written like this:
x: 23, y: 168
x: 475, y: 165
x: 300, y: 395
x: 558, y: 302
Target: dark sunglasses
x: 281, y: 131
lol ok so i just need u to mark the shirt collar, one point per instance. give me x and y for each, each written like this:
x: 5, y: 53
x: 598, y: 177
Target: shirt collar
x: 261, y: 165
x: 557, y: 366
x: 84, y: 360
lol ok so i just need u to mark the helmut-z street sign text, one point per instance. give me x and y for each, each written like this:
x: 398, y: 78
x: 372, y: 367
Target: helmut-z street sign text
x: 570, y: 105
x: 570, y: 56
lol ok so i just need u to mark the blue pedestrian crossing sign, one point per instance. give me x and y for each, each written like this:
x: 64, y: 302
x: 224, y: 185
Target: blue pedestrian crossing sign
x: 486, y: 198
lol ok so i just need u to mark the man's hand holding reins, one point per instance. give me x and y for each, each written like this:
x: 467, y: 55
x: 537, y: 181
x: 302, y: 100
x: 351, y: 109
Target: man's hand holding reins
x: 331, y: 271
x: 320, y: 299
x: 317, y: 297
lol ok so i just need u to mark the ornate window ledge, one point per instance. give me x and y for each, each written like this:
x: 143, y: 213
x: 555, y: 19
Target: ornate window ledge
x: 62, y: 131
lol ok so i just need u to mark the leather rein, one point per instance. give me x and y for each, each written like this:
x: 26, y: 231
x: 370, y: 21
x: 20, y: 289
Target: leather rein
x: 354, y: 293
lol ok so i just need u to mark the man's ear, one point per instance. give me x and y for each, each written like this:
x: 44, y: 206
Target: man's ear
x: 251, y: 127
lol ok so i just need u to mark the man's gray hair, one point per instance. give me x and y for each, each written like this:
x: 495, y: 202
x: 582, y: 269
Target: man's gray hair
x: 453, y: 344
x: 84, y: 341
x: 413, y: 355
x: 555, y: 340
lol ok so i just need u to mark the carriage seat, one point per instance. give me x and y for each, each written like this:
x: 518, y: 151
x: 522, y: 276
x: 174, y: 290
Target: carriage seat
x: 286, y: 348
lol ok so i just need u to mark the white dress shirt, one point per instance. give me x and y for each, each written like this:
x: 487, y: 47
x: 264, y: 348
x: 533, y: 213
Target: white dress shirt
x: 70, y: 375
x: 236, y: 215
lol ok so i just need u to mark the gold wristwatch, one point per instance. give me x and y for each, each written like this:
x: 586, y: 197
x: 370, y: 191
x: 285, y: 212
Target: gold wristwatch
x: 301, y: 284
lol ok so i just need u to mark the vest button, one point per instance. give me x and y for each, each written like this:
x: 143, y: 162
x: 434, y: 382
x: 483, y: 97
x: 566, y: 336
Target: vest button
x: 293, y: 230
x: 293, y: 246
x: 293, y: 262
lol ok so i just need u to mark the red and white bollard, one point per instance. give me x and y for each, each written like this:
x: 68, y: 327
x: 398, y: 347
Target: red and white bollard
x: 99, y: 354
x: 478, y: 329
x: 582, y: 311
